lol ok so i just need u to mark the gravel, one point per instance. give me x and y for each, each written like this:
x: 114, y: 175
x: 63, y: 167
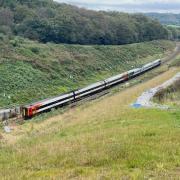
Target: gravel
x: 145, y: 100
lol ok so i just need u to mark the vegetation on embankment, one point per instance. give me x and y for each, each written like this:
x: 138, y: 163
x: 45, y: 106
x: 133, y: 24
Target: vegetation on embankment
x: 32, y: 71
x: 169, y: 96
x: 103, y: 139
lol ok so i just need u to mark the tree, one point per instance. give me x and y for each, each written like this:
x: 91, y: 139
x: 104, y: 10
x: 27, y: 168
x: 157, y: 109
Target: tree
x: 6, y: 17
x: 47, y: 21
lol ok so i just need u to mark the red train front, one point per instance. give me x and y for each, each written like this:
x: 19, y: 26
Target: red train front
x: 30, y: 111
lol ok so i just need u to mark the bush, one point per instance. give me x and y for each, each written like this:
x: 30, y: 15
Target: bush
x: 2, y: 37
x: 35, y: 50
x: 14, y: 42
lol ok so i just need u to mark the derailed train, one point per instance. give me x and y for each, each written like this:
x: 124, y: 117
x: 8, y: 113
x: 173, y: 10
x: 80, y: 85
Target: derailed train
x: 30, y: 110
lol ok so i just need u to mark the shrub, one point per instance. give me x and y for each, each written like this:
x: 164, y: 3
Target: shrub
x: 35, y: 50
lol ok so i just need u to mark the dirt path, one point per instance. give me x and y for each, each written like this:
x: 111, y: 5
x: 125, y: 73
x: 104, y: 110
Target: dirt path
x: 145, y: 100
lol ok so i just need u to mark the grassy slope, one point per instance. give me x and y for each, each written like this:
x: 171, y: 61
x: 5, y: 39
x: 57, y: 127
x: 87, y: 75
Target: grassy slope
x: 171, y: 95
x: 31, y: 71
x: 103, y: 139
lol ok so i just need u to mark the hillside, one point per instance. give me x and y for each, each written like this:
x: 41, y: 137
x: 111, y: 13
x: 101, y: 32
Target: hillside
x: 47, y: 49
x: 30, y: 71
x: 171, y: 22
x: 102, y: 139
x: 166, y: 18
x: 48, y: 21
x: 171, y: 95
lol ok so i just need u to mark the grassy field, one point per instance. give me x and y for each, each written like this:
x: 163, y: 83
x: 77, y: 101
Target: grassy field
x: 175, y: 26
x: 101, y: 139
x: 30, y: 71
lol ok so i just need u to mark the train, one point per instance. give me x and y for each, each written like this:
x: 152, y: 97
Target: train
x: 33, y: 109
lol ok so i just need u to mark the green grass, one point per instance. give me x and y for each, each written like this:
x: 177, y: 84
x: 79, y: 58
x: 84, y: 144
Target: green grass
x: 175, y: 26
x: 169, y: 96
x: 30, y: 71
x: 140, y: 144
x: 176, y: 62
x: 102, y: 139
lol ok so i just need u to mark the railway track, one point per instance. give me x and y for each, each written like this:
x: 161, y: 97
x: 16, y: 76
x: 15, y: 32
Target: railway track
x: 17, y: 111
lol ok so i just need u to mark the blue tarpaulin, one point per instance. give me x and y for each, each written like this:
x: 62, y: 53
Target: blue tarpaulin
x: 136, y: 105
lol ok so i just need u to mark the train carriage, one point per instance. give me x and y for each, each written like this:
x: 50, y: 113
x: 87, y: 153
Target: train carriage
x: 41, y: 106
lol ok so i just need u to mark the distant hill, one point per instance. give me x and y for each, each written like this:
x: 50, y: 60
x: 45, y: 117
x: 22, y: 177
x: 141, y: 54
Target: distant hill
x: 167, y: 19
x: 48, y: 21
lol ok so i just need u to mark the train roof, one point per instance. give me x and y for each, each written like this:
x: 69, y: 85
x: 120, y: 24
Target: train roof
x: 50, y: 99
x: 87, y: 87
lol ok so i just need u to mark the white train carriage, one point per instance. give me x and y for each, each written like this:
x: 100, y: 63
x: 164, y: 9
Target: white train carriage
x: 151, y: 65
x: 38, y: 107
x: 41, y: 106
x: 116, y: 79
x: 90, y: 89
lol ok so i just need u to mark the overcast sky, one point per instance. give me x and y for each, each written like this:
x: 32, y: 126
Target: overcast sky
x: 172, y: 6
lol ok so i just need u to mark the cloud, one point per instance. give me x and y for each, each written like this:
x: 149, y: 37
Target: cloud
x: 129, y: 5
x: 119, y: 2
